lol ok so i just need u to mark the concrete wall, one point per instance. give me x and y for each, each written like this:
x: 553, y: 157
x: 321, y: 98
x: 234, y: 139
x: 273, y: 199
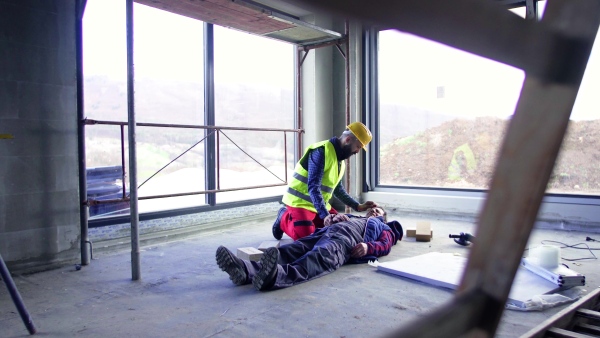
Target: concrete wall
x: 39, y: 214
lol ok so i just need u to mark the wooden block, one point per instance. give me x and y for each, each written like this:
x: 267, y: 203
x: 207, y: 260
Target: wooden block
x: 423, y: 232
x: 249, y: 254
x: 269, y: 244
x: 413, y: 233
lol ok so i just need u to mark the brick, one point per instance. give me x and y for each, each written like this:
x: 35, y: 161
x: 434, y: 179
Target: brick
x: 268, y: 244
x: 274, y: 243
x: 249, y: 254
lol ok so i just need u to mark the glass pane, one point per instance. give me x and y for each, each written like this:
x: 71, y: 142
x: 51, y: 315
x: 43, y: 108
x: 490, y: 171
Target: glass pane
x: 170, y: 161
x: 247, y: 161
x: 169, y: 88
x: 520, y: 11
x: 105, y: 60
x: 254, y: 80
x: 443, y: 113
x: 577, y: 169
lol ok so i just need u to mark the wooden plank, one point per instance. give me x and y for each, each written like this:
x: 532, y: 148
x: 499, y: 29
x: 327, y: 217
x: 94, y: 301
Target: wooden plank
x: 227, y: 13
x: 590, y: 314
x: 565, y: 316
x: 561, y: 333
x: 526, y: 161
x: 587, y: 328
x: 529, y: 151
x: 450, y: 320
x: 485, y: 29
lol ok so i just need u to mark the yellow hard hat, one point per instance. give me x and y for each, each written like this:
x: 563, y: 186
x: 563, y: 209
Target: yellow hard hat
x: 362, y: 133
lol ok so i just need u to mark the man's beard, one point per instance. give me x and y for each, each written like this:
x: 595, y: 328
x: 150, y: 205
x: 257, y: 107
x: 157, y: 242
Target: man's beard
x: 346, y: 152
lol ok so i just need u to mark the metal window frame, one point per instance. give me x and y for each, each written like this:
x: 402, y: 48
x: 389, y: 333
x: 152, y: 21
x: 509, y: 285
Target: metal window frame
x: 371, y: 109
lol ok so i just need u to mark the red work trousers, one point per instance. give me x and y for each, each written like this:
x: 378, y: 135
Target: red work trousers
x: 298, y: 222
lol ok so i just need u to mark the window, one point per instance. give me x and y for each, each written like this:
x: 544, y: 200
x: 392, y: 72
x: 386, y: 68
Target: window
x: 254, y: 87
x: 169, y: 89
x: 443, y: 113
x: 577, y: 169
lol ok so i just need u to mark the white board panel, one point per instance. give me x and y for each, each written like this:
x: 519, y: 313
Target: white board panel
x: 446, y: 269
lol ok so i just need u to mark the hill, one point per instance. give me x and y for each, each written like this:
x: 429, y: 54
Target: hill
x: 462, y: 153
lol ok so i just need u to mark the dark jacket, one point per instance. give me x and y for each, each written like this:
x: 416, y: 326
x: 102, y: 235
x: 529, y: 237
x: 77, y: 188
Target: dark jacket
x: 373, y: 229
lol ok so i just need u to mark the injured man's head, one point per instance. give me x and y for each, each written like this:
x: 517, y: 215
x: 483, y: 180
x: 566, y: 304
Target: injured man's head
x: 377, y: 211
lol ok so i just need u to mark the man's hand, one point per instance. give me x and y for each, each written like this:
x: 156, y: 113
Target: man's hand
x: 340, y: 218
x: 334, y: 218
x: 366, y: 205
x: 359, y: 250
x: 328, y: 220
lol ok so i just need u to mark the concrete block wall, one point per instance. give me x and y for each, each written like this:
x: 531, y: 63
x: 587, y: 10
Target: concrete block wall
x: 39, y: 213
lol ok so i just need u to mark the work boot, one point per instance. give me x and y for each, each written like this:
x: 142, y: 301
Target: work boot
x: 277, y: 232
x: 232, y: 265
x: 266, y: 276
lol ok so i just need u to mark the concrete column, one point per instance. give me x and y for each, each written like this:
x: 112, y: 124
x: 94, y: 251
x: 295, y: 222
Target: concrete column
x: 39, y: 204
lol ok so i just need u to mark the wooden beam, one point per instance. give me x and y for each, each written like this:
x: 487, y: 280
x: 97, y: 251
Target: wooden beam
x: 227, y: 13
x: 565, y: 316
x: 553, y: 53
x: 454, y: 319
x: 561, y: 333
x: 527, y: 157
x: 480, y: 27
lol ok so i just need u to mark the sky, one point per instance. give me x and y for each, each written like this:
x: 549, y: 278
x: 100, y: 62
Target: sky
x: 472, y: 85
x: 169, y: 46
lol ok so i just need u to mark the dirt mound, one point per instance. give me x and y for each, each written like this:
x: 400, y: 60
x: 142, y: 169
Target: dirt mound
x: 462, y: 154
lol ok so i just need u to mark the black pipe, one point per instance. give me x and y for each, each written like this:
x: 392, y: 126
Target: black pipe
x: 16, y: 297
x: 83, y: 205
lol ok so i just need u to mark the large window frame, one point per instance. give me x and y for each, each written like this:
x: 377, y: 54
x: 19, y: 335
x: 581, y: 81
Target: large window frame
x: 458, y: 201
x: 210, y: 151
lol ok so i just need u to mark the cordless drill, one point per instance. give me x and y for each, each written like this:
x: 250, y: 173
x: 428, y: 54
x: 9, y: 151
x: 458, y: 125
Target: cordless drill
x: 463, y: 239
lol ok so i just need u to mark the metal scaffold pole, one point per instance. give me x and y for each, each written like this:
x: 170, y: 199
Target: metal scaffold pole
x: 16, y: 297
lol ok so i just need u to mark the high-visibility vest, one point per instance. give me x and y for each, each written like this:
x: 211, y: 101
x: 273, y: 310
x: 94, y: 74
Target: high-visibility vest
x: 297, y: 195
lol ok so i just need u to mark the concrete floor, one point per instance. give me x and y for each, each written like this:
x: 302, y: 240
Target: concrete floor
x: 183, y: 293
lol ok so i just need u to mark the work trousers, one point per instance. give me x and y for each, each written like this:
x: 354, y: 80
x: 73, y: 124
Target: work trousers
x: 315, y: 255
x: 298, y: 222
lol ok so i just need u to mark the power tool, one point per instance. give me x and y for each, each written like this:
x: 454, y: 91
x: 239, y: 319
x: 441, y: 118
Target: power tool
x: 463, y: 239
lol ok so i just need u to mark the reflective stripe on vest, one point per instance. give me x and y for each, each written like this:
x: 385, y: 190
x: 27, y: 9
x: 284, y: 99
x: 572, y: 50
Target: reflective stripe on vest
x: 297, y: 194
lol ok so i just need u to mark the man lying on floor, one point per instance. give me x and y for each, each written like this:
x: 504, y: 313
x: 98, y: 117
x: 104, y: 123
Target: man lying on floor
x: 348, y: 238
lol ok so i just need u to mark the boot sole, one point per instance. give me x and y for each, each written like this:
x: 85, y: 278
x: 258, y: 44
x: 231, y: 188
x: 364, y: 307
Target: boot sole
x: 268, y: 270
x: 227, y: 263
